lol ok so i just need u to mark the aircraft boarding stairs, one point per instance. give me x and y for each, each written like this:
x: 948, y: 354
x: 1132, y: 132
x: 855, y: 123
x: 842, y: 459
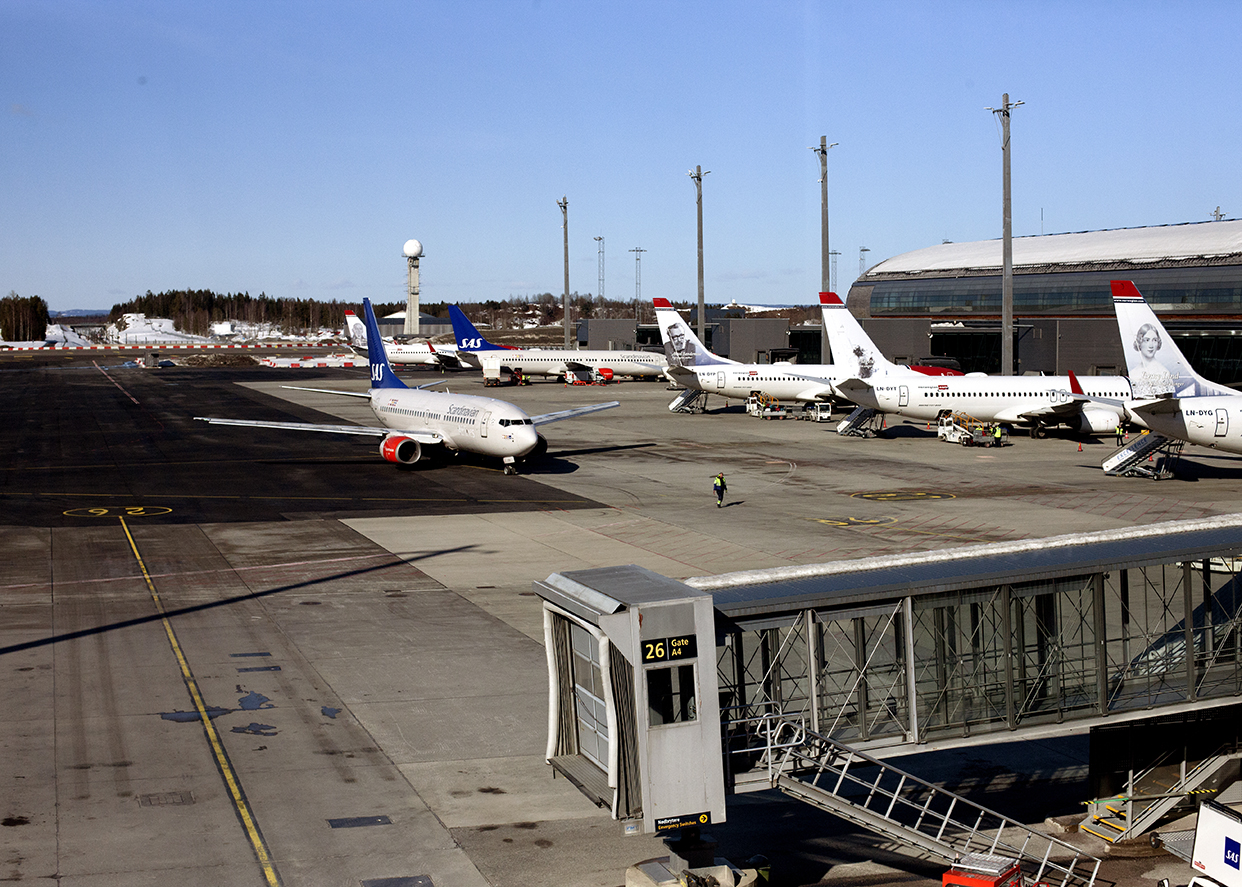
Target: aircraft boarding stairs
x: 1132, y: 460
x: 1153, y: 794
x: 897, y: 805
x: 863, y: 422
x: 691, y: 400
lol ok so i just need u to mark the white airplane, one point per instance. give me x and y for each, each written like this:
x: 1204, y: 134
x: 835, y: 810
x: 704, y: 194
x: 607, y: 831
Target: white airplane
x: 1038, y: 402
x: 414, y: 419
x: 422, y: 353
x: 1168, y: 397
x: 691, y: 365
x: 581, y: 365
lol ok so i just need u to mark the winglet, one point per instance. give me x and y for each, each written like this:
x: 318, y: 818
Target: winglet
x: 1075, y: 388
x: 831, y: 300
x: 382, y: 375
x: 1125, y: 289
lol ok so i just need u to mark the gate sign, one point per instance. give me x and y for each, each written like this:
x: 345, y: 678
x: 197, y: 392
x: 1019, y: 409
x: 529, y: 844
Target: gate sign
x: 685, y: 646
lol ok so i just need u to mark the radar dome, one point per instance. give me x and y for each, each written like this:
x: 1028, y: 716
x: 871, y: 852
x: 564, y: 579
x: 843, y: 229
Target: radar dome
x: 413, y: 249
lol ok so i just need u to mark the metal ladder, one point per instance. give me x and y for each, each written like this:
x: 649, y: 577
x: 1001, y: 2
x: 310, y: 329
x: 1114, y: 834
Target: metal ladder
x: 898, y: 805
x: 692, y: 400
x: 1128, y: 461
x: 1148, y: 800
x: 861, y: 423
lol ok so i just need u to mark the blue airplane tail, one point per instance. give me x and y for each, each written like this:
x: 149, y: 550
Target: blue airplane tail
x: 382, y: 375
x: 468, y: 338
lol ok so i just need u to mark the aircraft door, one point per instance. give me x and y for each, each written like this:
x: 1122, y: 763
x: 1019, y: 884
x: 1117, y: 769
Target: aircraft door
x: 1222, y: 422
x: 903, y: 395
x: 487, y: 417
x: 720, y: 379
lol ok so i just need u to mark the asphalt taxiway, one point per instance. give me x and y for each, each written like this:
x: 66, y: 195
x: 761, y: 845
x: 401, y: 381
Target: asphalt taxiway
x: 242, y: 656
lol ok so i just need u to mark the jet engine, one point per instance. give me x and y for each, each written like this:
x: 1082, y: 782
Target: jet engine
x: 605, y: 373
x: 1097, y: 421
x: 541, y: 447
x: 405, y: 450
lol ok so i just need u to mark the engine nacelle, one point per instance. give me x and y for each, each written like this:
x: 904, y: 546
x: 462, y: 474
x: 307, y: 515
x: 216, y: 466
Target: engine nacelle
x: 541, y: 447
x: 404, y: 450
x: 605, y: 373
x: 1097, y: 422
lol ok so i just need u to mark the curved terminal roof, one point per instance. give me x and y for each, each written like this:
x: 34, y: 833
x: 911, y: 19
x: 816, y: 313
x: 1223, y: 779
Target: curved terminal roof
x: 1207, y: 243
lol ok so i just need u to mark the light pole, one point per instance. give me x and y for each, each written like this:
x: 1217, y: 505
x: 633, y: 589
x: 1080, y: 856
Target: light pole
x: 1007, y: 247
x: 697, y: 174
x: 862, y: 259
x: 563, y: 203
x: 638, y: 284
x: 824, y: 281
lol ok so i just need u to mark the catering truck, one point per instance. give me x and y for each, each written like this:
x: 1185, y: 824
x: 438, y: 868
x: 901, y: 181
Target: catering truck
x: 1217, y: 856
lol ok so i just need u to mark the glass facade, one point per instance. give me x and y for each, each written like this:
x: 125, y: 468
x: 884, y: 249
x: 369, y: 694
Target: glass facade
x: 1191, y: 290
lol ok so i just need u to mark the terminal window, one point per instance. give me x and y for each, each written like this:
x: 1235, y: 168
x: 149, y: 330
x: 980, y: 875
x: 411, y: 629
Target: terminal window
x: 670, y: 695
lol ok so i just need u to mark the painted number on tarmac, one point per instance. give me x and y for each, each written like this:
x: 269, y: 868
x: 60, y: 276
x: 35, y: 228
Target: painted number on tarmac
x: 901, y: 495
x: 856, y: 521
x: 118, y: 511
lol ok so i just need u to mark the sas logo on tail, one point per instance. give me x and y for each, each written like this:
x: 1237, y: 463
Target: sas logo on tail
x: 472, y: 343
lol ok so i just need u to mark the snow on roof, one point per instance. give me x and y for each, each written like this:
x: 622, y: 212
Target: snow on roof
x: 1193, y: 240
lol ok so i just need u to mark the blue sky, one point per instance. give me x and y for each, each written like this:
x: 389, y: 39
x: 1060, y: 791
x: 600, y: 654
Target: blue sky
x: 292, y: 148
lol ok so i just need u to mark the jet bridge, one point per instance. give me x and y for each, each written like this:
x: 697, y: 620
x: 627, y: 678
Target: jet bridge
x: 870, y: 659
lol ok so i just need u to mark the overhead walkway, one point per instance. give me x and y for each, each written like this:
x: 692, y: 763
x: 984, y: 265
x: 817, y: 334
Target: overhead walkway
x: 1148, y: 455
x: 821, y: 675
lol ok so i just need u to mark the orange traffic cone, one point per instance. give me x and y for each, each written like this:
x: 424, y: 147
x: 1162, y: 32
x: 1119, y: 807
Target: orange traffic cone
x: 1080, y: 446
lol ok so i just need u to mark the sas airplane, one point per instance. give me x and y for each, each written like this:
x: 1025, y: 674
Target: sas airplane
x: 1168, y: 397
x: 1038, y: 402
x: 691, y: 365
x: 414, y: 420
x: 422, y: 353
x: 581, y: 365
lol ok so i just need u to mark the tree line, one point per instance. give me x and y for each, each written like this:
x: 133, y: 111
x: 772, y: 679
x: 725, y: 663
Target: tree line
x: 23, y: 319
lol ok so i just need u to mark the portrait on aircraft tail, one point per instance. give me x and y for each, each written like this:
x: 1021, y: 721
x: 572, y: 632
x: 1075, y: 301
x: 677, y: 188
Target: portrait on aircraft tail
x: 1150, y: 377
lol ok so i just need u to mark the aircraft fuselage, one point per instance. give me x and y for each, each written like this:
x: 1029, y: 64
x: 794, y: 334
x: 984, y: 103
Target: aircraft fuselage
x: 471, y: 423
x: 1209, y: 421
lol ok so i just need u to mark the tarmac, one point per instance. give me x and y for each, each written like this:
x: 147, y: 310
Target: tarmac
x: 366, y: 646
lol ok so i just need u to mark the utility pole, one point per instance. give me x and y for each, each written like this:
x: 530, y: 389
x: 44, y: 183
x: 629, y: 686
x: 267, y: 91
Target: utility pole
x: 638, y: 282
x: 862, y: 259
x: 834, y: 253
x: 563, y: 203
x: 1007, y: 247
x: 697, y: 174
x: 824, y: 276
x: 600, y: 241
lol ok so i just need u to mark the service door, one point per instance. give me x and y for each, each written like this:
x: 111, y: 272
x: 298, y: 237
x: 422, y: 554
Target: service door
x: 487, y: 417
x: 720, y: 380
x: 903, y: 395
x: 1222, y: 422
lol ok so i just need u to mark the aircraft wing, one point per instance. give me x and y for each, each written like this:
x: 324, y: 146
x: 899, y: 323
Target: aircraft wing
x: 578, y: 366
x: 365, y: 430
x: 574, y: 413
x: 849, y: 387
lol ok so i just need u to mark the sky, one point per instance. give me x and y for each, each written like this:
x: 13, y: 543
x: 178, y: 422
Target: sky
x: 293, y: 148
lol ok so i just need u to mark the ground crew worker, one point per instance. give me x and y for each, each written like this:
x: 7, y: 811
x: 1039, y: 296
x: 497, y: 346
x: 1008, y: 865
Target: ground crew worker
x: 1121, y: 435
x: 997, y: 435
x: 719, y: 485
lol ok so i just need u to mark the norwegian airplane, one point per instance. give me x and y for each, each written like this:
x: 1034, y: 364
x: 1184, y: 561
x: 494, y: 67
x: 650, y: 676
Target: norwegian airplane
x: 422, y: 353
x: 691, y: 365
x: 1167, y: 396
x: 415, y: 422
x: 1037, y: 402
x: 473, y: 348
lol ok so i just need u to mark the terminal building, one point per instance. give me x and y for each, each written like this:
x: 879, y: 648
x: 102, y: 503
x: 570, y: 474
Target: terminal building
x: 944, y: 301
x: 947, y: 298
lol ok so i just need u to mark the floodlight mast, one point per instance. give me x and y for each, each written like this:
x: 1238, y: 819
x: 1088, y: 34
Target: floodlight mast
x: 1007, y: 238
x: 824, y: 283
x: 638, y: 281
x: 563, y: 203
x: 697, y: 174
